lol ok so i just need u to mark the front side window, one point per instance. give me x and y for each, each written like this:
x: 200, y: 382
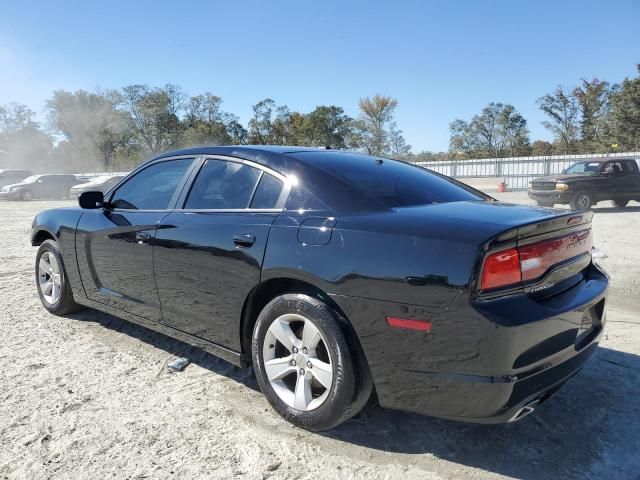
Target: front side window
x: 153, y: 187
x: 222, y: 185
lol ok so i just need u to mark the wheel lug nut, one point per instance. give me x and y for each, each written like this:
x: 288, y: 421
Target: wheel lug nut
x: 302, y: 371
x: 308, y: 364
x: 293, y: 363
x: 295, y: 350
x: 304, y: 350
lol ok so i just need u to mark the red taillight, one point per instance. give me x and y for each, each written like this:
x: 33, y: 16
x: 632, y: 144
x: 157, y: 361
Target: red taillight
x: 409, y: 324
x: 501, y: 269
x: 537, y: 258
x: 528, y: 262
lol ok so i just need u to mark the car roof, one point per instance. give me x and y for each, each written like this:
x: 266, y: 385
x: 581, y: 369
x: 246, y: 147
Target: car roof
x: 602, y: 160
x: 281, y: 158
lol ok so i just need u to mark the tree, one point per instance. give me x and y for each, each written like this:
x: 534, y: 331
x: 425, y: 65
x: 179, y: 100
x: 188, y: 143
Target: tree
x: 155, y: 114
x: 562, y: 109
x: 593, y: 99
x: 206, y: 123
x: 268, y: 126
x: 541, y: 148
x: 398, y: 145
x: 91, y: 123
x: 498, y: 131
x: 22, y: 143
x: 376, y: 114
x: 624, y: 116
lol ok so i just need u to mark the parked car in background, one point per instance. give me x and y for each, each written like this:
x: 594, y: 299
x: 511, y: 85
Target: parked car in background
x: 586, y: 183
x: 97, y: 184
x: 332, y: 272
x: 43, y: 187
x: 11, y: 176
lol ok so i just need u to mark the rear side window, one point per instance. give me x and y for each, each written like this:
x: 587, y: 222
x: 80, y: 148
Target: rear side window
x: 267, y: 193
x: 222, y: 185
x: 153, y: 187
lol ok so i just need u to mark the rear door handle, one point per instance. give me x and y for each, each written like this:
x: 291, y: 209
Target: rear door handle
x: 244, y: 240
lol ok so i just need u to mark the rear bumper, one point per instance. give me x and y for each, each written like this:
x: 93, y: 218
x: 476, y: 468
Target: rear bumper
x: 550, y: 196
x: 481, y: 363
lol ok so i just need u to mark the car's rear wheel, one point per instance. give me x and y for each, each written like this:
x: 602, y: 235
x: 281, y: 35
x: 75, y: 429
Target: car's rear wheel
x: 581, y: 201
x: 620, y: 203
x: 306, y: 366
x: 26, y: 195
x: 52, y: 281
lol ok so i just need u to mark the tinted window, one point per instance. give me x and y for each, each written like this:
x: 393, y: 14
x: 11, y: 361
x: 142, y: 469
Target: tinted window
x: 222, y: 185
x: 267, y: 193
x: 364, y: 182
x: 583, y: 167
x: 153, y: 187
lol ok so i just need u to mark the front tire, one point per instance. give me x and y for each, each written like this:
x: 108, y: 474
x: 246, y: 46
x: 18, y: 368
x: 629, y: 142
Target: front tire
x: 310, y: 372
x: 26, y: 195
x: 52, y: 281
x: 581, y: 201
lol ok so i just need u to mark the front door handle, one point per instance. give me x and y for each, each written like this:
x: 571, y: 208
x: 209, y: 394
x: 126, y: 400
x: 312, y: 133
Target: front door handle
x: 244, y: 240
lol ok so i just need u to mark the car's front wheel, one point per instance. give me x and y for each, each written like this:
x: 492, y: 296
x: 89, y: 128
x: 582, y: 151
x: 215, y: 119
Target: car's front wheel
x: 309, y: 370
x: 26, y: 195
x: 52, y: 281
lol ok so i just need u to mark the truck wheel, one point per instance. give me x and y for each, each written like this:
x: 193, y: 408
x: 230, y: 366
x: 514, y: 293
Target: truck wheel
x: 581, y: 201
x: 620, y: 203
x: 545, y: 203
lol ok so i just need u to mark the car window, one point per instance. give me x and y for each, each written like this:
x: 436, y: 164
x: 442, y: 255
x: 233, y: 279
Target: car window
x: 267, y: 193
x: 153, y: 187
x: 583, y: 167
x: 628, y: 167
x: 223, y: 185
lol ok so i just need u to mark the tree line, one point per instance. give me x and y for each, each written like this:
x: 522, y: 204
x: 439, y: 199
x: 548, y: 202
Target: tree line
x: 116, y: 129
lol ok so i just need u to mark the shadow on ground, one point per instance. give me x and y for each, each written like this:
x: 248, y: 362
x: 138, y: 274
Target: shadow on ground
x: 589, y: 428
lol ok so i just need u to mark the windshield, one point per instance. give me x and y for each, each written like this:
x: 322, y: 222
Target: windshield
x: 587, y: 168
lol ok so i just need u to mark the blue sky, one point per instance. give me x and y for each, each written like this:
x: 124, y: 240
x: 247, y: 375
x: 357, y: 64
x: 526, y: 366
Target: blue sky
x: 441, y: 60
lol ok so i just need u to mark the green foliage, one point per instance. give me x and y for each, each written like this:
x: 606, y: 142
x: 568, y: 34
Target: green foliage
x: 498, y: 131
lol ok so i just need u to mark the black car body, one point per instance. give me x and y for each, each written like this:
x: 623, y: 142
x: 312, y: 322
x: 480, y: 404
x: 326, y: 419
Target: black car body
x: 102, y: 183
x: 40, y: 187
x: 11, y: 176
x: 586, y: 183
x: 416, y: 274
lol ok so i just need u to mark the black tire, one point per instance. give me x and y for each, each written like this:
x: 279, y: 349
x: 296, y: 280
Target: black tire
x: 65, y: 304
x: 352, y: 385
x: 582, y: 200
x: 620, y: 203
x: 542, y: 203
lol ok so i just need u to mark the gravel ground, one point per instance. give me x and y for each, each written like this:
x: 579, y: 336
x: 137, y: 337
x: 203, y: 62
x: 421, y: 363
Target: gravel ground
x: 89, y: 397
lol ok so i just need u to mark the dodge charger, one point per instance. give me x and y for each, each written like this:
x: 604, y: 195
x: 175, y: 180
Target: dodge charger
x: 337, y: 276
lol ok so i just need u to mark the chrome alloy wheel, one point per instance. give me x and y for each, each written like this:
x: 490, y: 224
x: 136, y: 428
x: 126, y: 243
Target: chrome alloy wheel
x: 297, y: 362
x: 49, y: 278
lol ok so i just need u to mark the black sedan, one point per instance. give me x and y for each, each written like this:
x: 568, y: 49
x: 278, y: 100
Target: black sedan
x: 334, y: 274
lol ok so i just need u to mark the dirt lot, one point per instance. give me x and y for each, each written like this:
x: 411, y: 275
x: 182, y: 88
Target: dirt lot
x: 88, y: 397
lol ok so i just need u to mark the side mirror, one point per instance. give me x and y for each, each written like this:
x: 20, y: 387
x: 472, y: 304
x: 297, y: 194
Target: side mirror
x: 91, y: 200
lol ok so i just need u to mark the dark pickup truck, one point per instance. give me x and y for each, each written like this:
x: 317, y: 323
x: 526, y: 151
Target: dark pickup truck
x: 588, y: 182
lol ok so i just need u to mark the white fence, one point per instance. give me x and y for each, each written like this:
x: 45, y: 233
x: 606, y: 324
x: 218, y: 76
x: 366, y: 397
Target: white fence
x: 515, y: 171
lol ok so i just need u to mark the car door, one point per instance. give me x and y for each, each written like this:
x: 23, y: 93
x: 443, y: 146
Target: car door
x: 114, y: 245
x: 631, y: 179
x: 209, y: 253
x: 610, y: 181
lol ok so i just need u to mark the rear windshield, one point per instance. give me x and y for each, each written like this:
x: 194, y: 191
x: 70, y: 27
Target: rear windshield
x: 387, y: 183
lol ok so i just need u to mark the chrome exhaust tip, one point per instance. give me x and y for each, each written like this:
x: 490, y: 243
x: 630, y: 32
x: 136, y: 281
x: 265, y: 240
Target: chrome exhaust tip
x: 526, y: 410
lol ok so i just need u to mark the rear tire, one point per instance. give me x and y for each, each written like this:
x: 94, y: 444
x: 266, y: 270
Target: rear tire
x: 620, y: 203
x: 310, y: 372
x: 52, y: 281
x: 582, y: 200
x: 26, y: 195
